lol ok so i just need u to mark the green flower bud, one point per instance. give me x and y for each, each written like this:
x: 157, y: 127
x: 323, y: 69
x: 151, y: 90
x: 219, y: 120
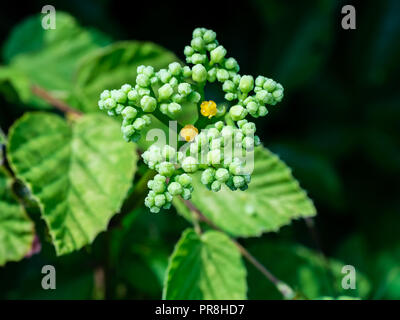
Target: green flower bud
x: 260, y: 81
x: 168, y: 196
x: 179, y: 156
x: 252, y: 107
x: 209, y: 36
x: 175, y: 68
x: 129, y: 113
x: 166, y: 169
x: 248, y: 143
x: 212, y: 75
x: 105, y: 95
x: 143, y: 92
x: 194, y: 97
x: 246, y: 84
x: 216, y: 144
x: 158, y: 186
x: 227, y: 132
x: 167, y: 206
x: 148, y: 71
x: 262, y: 111
x: 197, y: 44
x: 147, y: 119
x: 269, y: 85
x: 165, y: 92
x: 218, y: 54
x: 149, y: 201
x: 199, y: 73
x: 119, y: 108
x: 178, y: 98
x: 238, y: 181
x: 257, y: 140
x: 249, y: 128
x: 212, y: 133
x: 110, y: 103
x: 173, y: 82
x: 128, y: 131
x: 228, y: 86
x: 221, y: 110
x: 241, y: 123
x: 155, y: 209
x: 211, y: 46
x: 159, y: 200
x: 235, y: 168
x: 278, y: 95
x: 164, y: 75
x: 216, y: 186
x: 231, y: 64
x: 222, y: 75
x: 148, y: 104
x: 164, y: 108
x: 238, y: 136
x: 198, y: 32
x: 185, y: 180
x: 133, y: 95
x: 190, y: 164
x: 100, y: 103
x: 174, y: 108
x: 184, y: 89
x: 188, y: 51
x: 126, y: 88
x: 175, y: 188
x: 143, y: 80
x: 140, y: 69
x: 168, y: 152
x: 222, y: 175
x: 230, y: 96
x: 160, y: 178
x: 198, y: 58
x: 237, y: 112
x: 207, y: 177
x: 119, y: 96
x: 186, y: 194
x: 214, y: 157
x: 139, y: 124
x: 263, y: 96
x: 219, y: 125
x: 187, y: 72
x: 236, y: 79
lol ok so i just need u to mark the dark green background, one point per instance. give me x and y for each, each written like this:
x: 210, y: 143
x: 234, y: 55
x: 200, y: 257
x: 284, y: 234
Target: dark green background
x: 338, y: 128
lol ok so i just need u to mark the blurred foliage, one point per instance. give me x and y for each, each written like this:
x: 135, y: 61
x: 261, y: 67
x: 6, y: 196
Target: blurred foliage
x: 338, y: 129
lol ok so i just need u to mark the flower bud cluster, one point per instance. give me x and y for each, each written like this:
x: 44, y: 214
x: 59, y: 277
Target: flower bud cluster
x: 165, y: 90
x: 211, y: 64
x: 164, y: 188
x: 218, y: 150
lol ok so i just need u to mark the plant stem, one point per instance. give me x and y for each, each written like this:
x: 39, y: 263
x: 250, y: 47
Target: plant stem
x: 56, y: 103
x: 286, y: 291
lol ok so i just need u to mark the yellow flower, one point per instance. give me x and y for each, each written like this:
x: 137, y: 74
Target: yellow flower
x: 208, y: 108
x: 188, y: 132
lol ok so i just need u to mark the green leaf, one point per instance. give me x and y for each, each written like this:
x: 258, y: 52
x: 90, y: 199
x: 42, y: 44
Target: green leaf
x: 79, y: 173
x: 49, y: 58
x: 14, y: 85
x: 115, y: 65
x: 272, y: 200
x: 303, y: 269
x: 16, y: 229
x: 206, y: 266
